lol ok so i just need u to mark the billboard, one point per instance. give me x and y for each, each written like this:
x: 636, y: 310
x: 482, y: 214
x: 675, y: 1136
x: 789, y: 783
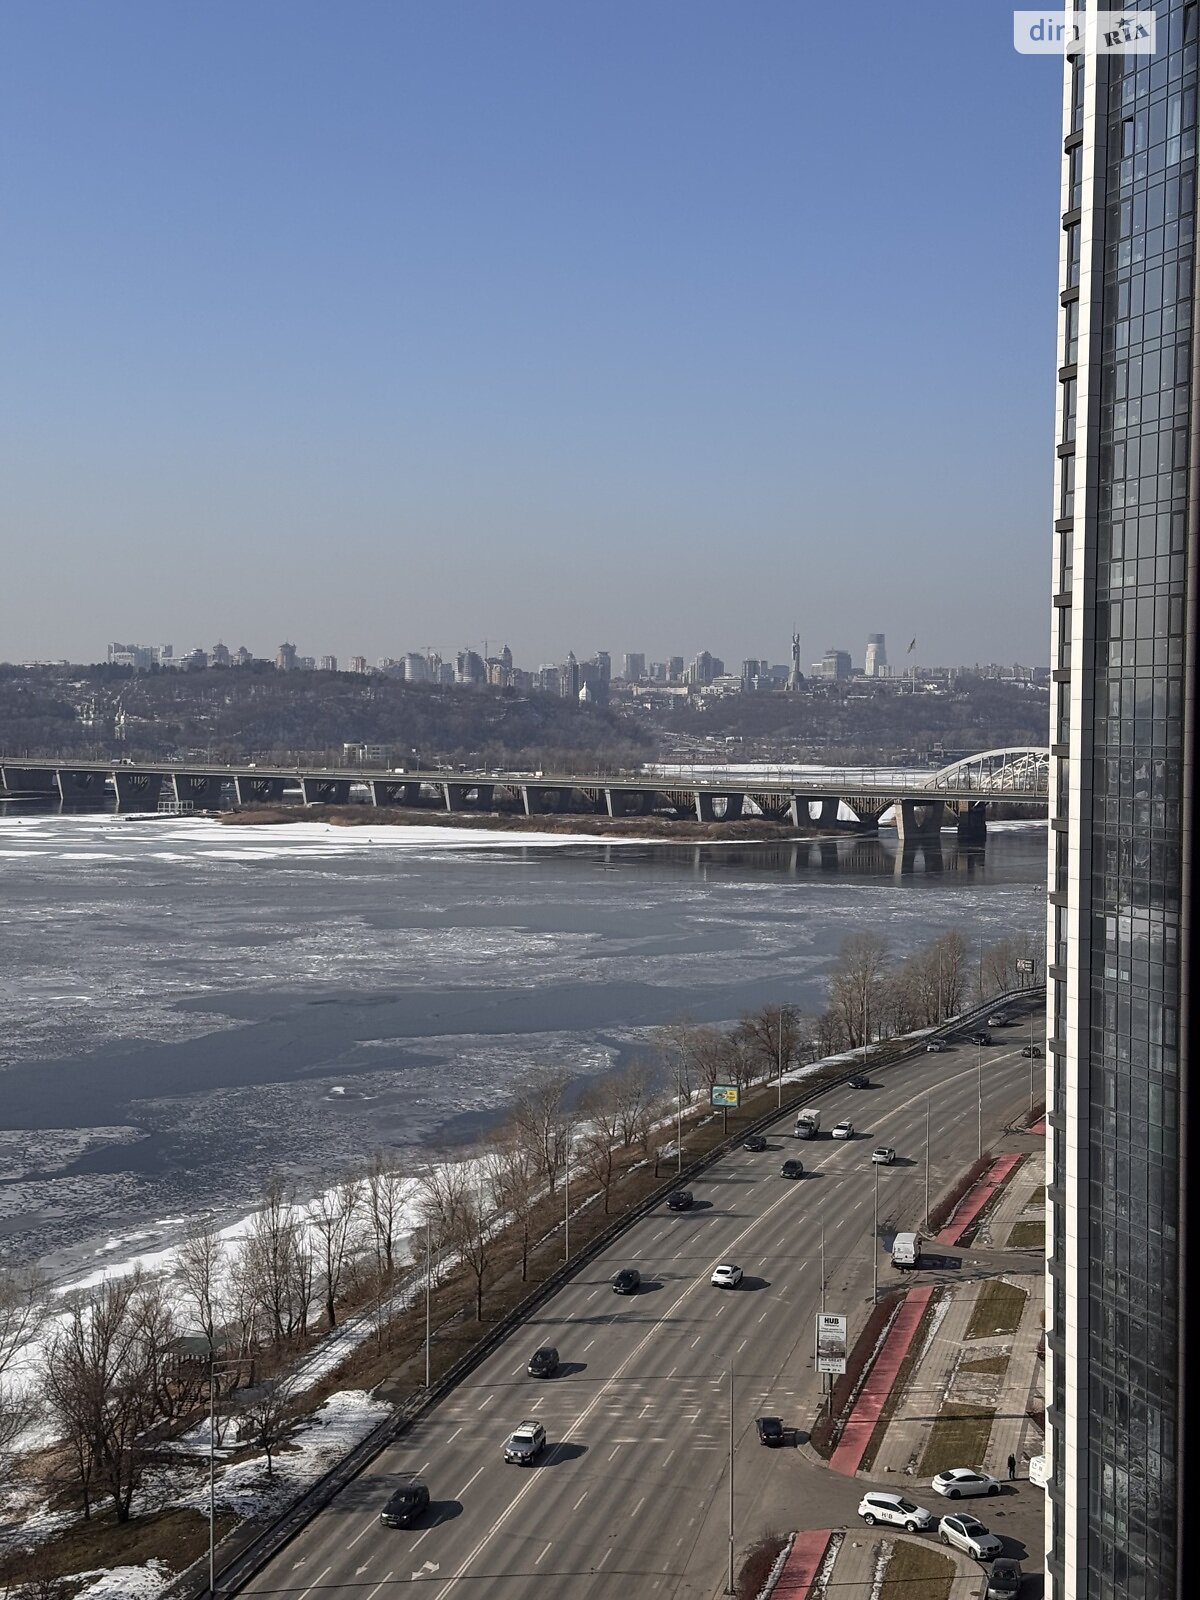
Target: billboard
x: 726, y: 1094
x: 831, y: 1342
x: 1023, y: 964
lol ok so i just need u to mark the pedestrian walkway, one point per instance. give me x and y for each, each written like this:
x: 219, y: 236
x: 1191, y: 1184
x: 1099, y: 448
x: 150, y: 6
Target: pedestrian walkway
x: 856, y: 1435
x: 903, y: 1445
x: 1015, y: 1200
x: 802, y: 1565
x: 977, y: 1197
x: 1014, y: 1431
x: 862, y: 1561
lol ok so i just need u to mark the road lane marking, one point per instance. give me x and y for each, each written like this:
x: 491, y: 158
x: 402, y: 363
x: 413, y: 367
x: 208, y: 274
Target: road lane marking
x: 672, y: 1372
x: 697, y: 1340
x: 670, y: 1453
x: 316, y: 1581
x: 489, y: 1399
x: 455, y: 1434
x: 379, y: 1586
x: 743, y: 1344
x: 639, y: 1505
x: 767, y: 1312
x: 544, y: 1554
x: 370, y: 1524
x: 604, y: 1558
x: 613, y: 1451
x: 580, y: 1501
x: 588, y: 1345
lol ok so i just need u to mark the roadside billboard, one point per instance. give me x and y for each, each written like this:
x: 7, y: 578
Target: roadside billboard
x: 832, y: 1333
x: 725, y: 1094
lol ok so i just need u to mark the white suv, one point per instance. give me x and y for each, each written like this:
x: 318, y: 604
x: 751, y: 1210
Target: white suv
x: 969, y: 1535
x: 894, y: 1508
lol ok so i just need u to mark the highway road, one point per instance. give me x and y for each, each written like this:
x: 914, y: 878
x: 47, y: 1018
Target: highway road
x: 631, y: 1497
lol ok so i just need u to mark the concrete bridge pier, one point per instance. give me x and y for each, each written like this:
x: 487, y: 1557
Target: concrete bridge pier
x: 539, y: 802
x: 918, y: 819
x: 30, y: 780
x: 252, y: 791
x: 75, y: 786
x: 325, y: 791
x: 827, y: 817
x: 201, y: 789
x: 972, y: 822
x: 455, y: 796
x: 707, y: 803
x: 385, y: 792
x: 629, y: 802
x: 137, y: 791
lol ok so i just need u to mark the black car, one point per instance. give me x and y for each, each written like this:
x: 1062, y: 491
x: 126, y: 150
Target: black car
x: 1004, y: 1580
x: 770, y: 1430
x: 1031, y: 1050
x: 982, y: 1036
x: 858, y: 1081
x: 406, y: 1504
x: 627, y: 1281
x: 543, y: 1363
x: 756, y: 1141
x: 679, y: 1200
x: 792, y: 1169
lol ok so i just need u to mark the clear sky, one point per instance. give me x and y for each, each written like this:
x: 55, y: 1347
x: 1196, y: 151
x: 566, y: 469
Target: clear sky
x: 642, y: 325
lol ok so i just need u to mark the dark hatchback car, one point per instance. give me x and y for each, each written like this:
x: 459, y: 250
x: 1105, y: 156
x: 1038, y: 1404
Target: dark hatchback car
x: 981, y: 1036
x: 679, y: 1200
x: 627, y: 1281
x: 860, y: 1081
x: 1004, y: 1580
x: 406, y: 1504
x: 756, y: 1141
x: 792, y: 1169
x: 770, y: 1430
x: 543, y: 1363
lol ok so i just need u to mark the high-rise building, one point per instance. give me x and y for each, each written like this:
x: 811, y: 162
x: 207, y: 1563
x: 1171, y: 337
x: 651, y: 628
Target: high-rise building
x: 328, y: 663
x: 1123, y: 1412
x: 875, y: 659
x: 416, y: 668
x: 834, y: 664
x: 285, y: 658
x: 358, y: 664
x: 635, y: 666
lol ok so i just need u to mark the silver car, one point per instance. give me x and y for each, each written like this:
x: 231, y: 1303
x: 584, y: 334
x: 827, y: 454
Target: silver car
x: 969, y: 1535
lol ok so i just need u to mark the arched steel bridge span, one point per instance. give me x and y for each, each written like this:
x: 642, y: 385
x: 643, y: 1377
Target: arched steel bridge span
x: 922, y: 803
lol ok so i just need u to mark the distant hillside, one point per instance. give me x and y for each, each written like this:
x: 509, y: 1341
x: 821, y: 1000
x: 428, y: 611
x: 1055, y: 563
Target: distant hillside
x: 244, y: 713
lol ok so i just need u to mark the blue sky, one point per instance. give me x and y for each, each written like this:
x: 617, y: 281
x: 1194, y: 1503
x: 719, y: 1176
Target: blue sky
x: 655, y: 326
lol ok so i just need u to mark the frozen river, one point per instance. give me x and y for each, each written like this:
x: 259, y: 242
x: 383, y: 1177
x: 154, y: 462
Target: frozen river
x: 189, y: 1006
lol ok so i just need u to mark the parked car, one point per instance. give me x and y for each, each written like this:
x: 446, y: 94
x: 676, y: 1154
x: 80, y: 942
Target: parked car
x: 627, y: 1281
x: 1004, y: 1580
x: 998, y: 1020
x: 896, y: 1509
x: 958, y: 1482
x: 883, y: 1155
x: 525, y: 1444
x: 1031, y: 1052
x: 405, y: 1504
x: 969, y: 1535
x: 543, y: 1363
x: 860, y: 1081
x: 727, y: 1276
x: 770, y: 1430
x: 754, y: 1141
x: 679, y: 1200
x: 981, y: 1036
x: 792, y: 1169
x: 843, y: 1130
x: 935, y: 1047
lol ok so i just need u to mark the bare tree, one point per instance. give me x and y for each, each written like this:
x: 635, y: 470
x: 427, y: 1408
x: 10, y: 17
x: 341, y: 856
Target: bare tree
x: 543, y: 1121
x: 266, y: 1415
x: 387, y: 1185
x: 198, y: 1270
x: 854, y: 989
x: 515, y: 1183
x: 333, y: 1216
x: 269, y: 1253
x: 457, y: 1202
x: 773, y: 1036
x: 22, y: 1315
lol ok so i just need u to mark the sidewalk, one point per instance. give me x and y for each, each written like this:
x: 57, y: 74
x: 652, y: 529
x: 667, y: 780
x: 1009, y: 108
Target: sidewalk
x: 1014, y: 1431
x: 1015, y: 1200
x: 860, y: 1425
x: 973, y: 1202
x: 903, y: 1444
x: 861, y: 1566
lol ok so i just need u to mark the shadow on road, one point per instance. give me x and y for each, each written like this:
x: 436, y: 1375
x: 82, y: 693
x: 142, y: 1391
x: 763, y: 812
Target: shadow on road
x: 568, y: 1450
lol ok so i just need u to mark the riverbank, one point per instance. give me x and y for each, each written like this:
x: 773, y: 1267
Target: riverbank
x: 634, y: 829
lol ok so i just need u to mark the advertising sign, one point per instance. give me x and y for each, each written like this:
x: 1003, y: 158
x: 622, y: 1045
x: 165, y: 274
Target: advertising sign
x: 831, y: 1342
x: 1024, y: 964
x: 726, y: 1094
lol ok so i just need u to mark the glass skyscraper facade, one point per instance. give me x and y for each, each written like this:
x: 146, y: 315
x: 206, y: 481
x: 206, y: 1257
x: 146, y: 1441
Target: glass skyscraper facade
x: 1123, y: 820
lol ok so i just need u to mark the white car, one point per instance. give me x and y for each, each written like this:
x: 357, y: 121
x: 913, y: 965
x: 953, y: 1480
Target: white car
x: 844, y: 1130
x: 727, y: 1276
x: 998, y: 1019
x: 969, y: 1535
x: 883, y: 1155
x: 894, y: 1508
x: 935, y: 1047
x: 958, y: 1482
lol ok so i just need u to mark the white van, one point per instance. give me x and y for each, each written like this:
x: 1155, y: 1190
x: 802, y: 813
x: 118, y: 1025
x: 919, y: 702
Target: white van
x: 906, y: 1251
x: 808, y: 1124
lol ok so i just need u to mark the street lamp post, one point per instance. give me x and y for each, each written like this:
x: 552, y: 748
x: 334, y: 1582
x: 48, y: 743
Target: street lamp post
x: 979, y: 1095
x: 567, y: 1204
x: 1032, y: 1063
x: 875, y: 1244
x: 729, y: 1578
x: 927, y: 1158
x: 213, y: 1365
x: 679, y: 1126
x: 779, y: 1043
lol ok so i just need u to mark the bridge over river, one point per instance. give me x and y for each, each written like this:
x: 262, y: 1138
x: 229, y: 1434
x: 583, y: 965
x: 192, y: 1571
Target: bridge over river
x: 922, y: 804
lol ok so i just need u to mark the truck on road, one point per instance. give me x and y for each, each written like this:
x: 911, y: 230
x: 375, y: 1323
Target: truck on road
x: 906, y: 1251
x: 808, y: 1124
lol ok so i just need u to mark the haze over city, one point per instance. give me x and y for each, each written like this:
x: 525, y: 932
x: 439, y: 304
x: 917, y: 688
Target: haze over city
x: 576, y: 327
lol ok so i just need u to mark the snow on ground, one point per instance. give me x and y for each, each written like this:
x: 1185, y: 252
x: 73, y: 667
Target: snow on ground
x: 127, y: 1583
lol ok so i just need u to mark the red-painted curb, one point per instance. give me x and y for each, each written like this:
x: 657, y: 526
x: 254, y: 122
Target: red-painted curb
x: 1039, y: 1126
x: 860, y: 1426
x: 802, y: 1565
x: 973, y: 1203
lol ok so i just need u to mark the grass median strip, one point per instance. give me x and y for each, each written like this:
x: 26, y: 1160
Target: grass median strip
x: 917, y: 1572
x: 959, y: 1438
x: 899, y: 1389
x: 1026, y: 1235
x: 984, y: 1364
x: 998, y: 1310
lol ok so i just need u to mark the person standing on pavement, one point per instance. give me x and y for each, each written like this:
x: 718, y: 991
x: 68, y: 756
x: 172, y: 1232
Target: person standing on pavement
x: 1012, y: 1468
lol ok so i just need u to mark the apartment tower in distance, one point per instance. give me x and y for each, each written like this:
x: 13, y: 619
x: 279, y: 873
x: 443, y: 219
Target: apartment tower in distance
x: 1123, y: 1418
x: 875, y: 661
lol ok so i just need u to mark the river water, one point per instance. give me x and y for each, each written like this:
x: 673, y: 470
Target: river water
x: 187, y: 1007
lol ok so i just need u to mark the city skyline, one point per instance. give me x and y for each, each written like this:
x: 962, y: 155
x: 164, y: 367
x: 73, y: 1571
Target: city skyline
x: 515, y: 382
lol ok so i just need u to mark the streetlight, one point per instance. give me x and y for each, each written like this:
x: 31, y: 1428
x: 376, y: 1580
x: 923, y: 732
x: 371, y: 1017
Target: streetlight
x: 875, y: 1243
x: 428, y: 1301
x: 567, y: 1203
x: 927, y: 1158
x: 979, y: 1097
x: 679, y: 1125
x: 213, y: 1364
x: 729, y: 1579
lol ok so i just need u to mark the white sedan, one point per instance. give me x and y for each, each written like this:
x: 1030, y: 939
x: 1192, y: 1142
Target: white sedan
x: 883, y: 1155
x: 844, y: 1130
x: 957, y: 1482
x: 969, y: 1535
x: 727, y: 1276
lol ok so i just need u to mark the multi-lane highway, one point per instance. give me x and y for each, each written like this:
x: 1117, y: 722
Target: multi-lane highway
x: 631, y: 1497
